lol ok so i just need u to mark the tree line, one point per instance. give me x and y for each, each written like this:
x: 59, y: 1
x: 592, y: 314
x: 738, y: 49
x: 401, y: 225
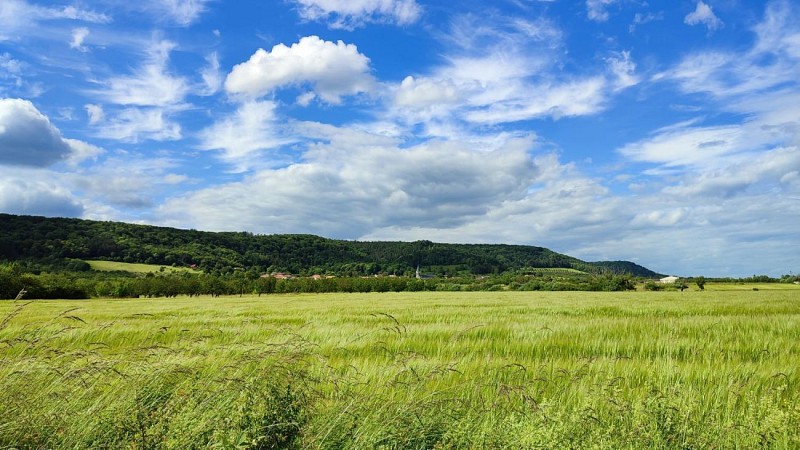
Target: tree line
x: 17, y: 278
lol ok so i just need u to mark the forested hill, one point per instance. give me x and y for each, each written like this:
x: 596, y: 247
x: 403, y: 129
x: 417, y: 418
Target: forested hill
x: 56, y: 240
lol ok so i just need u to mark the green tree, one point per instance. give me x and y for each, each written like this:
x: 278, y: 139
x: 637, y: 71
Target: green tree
x: 700, y: 282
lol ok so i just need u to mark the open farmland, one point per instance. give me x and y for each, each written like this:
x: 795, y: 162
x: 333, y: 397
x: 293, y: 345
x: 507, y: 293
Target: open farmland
x: 114, y: 266
x: 714, y: 369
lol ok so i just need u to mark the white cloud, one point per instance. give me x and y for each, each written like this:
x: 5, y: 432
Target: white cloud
x: 641, y: 19
x: 356, y: 182
x: 175, y: 178
x: 117, y: 187
x: 19, y: 18
x: 349, y: 14
x: 773, y: 168
x: 659, y: 218
x: 687, y: 145
x: 82, y: 151
x: 212, y: 78
x: 719, y: 238
x: 10, y: 72
x: 306, y: 98
x: 74, y: 13
x: 332, y: 69
x: 596, y: 9
x: 556, y: 100
x: 557, y: 198
x: 27, y: 138
x: 480, y: 34
x: 127, y: 181
x: 151, y: 85
x: 623, y: 70
x: 78, y: 36
x: 180, y: 12
x: 137, y: 124
x: 10, y: 65
x: 95, y: 113
x: 703, y: 15
x: 27, y: 195
x: 425, y: 92
x: 244, y: 136
x: 501, y: 71
x: 778, y: 32
x: 758, y: 83
x: 351, y: 183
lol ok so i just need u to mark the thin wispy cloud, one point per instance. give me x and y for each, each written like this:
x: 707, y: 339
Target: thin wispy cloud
x: 349, y: 14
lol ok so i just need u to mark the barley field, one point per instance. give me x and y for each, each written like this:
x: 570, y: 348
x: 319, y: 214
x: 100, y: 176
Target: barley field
x: 521, y: 370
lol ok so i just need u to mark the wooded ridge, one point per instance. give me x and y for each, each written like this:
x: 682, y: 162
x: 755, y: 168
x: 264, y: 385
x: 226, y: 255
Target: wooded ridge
x: 62, y: 241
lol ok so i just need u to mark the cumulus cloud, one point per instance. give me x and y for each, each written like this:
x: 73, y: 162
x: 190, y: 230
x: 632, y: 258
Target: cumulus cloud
x: 331, y: 69
x: 557, y: 198
x: 27, y: 138
x: 349, y: 14
x: 127, y: 181
x: 27, y: 197
x: 703, y: 15
x: 356, y: 182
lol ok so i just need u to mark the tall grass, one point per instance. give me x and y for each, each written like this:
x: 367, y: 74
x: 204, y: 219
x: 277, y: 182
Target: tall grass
x: 423, y: 370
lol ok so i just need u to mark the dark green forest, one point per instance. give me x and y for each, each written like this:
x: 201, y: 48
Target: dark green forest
x: 46, y: 257
x: 57, y: 241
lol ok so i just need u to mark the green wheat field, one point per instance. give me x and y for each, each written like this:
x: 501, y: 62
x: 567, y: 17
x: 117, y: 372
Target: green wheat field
x: 713, y: 369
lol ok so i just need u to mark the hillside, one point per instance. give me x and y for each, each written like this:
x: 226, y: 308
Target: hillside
x: 60, y: 240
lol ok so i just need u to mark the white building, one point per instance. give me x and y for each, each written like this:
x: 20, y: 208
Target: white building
x: 668, y: 280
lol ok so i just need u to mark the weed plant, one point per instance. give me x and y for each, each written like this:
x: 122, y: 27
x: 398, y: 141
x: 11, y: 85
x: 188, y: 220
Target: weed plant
x: 404, y: 371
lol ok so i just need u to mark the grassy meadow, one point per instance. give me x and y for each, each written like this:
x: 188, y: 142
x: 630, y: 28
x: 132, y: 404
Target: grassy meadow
x: 115, y: 266
x: 713, y: 369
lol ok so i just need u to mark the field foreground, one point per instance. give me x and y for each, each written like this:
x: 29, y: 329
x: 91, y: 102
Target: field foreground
x: 422, y: 370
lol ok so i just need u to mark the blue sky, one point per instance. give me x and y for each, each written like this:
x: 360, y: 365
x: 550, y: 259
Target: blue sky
x: 667, y: 134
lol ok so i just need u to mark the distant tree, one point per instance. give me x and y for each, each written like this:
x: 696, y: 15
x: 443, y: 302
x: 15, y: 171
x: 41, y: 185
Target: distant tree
x: 700, y: 282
